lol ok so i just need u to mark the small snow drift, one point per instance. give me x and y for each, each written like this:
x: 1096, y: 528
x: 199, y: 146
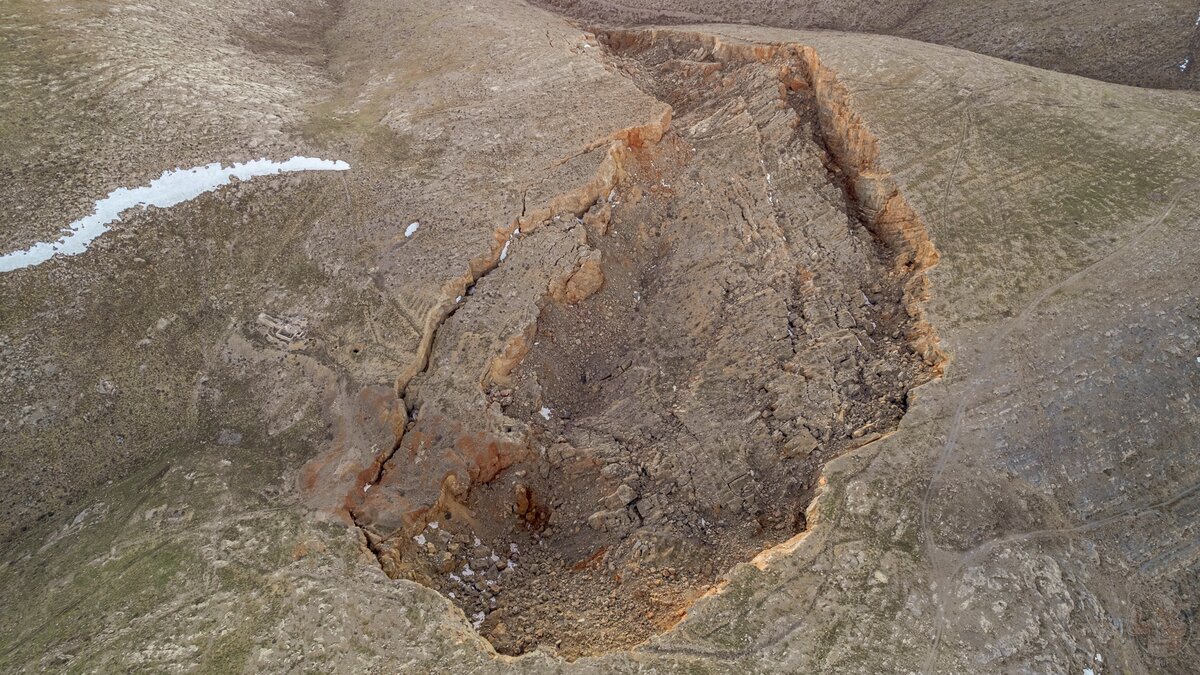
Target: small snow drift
x: 173, y: 187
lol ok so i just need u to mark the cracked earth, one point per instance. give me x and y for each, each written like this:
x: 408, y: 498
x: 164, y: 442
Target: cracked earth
x: 710, y: 348
x: 734, y: 299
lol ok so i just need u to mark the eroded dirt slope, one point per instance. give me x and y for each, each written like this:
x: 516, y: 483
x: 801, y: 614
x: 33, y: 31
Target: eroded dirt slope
x: 684, y: 346
x: 297, y: 362
x: 1150, y: 44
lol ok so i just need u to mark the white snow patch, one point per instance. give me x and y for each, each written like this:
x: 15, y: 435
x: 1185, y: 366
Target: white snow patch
x: 433, y: 525
x: 1088, y: 671
x: 504, y: 251
x: 411, y: 229
x: 366, y: 487
x: 545, y: 412
x: 458, y: 300
x: 169, y: 189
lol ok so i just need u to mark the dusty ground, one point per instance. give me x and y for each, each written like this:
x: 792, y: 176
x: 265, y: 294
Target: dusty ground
x: 704, y: 341
x: 667, y: 287
x: 1147, y: 44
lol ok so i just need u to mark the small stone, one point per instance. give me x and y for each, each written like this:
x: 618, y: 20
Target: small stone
x: 620, y: 498
x: 524, y: 499
x: 596, y: 521
x: 228, y: 437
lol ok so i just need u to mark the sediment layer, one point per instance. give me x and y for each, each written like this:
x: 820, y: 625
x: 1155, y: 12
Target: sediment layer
x: 648, y: 395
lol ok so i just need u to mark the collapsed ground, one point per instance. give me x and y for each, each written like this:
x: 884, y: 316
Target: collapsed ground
x: 743, y: 305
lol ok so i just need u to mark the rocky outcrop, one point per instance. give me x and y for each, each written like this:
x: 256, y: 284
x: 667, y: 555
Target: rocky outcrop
x: 390, y: 507
x: 603, y: 325
x: 881, y: 205
x: 854, y: 152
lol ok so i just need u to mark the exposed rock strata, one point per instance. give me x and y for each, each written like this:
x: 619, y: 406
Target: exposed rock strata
x: 754, y: 320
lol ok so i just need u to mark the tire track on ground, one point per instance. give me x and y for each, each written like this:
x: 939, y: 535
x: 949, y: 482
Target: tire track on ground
x: 968, y: 396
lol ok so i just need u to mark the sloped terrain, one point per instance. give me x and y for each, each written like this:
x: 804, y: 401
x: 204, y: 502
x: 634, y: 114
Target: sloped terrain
x: 707, y: 349
x: 666, y: 332
x: 1149, y: 44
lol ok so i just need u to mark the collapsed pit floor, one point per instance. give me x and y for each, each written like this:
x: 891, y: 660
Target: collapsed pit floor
x: 744, y: 327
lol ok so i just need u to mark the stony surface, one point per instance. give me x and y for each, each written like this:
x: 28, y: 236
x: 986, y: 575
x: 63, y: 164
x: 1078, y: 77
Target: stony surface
x: 191, y: 410
x: 1150, y: 44
x: 743, y: 319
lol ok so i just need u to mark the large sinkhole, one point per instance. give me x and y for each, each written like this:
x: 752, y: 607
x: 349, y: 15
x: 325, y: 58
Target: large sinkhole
x: 733, y: 325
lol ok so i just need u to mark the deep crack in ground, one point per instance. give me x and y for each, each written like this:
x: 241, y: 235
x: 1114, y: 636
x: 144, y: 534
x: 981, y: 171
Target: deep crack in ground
x: 743, y: 305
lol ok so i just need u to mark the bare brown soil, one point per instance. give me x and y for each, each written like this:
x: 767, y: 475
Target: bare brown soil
x: 1148, y: 44
x: 744, y: 304
x: 230, y: 420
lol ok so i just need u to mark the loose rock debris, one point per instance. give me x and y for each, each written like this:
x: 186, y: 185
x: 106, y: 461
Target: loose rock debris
x: 743, y: 305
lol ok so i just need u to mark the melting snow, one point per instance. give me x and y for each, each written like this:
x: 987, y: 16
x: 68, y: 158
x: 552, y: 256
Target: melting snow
x: 504, y: 251
x: 545, y: 412
x: 411, y: 229
x: 169, y: 189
